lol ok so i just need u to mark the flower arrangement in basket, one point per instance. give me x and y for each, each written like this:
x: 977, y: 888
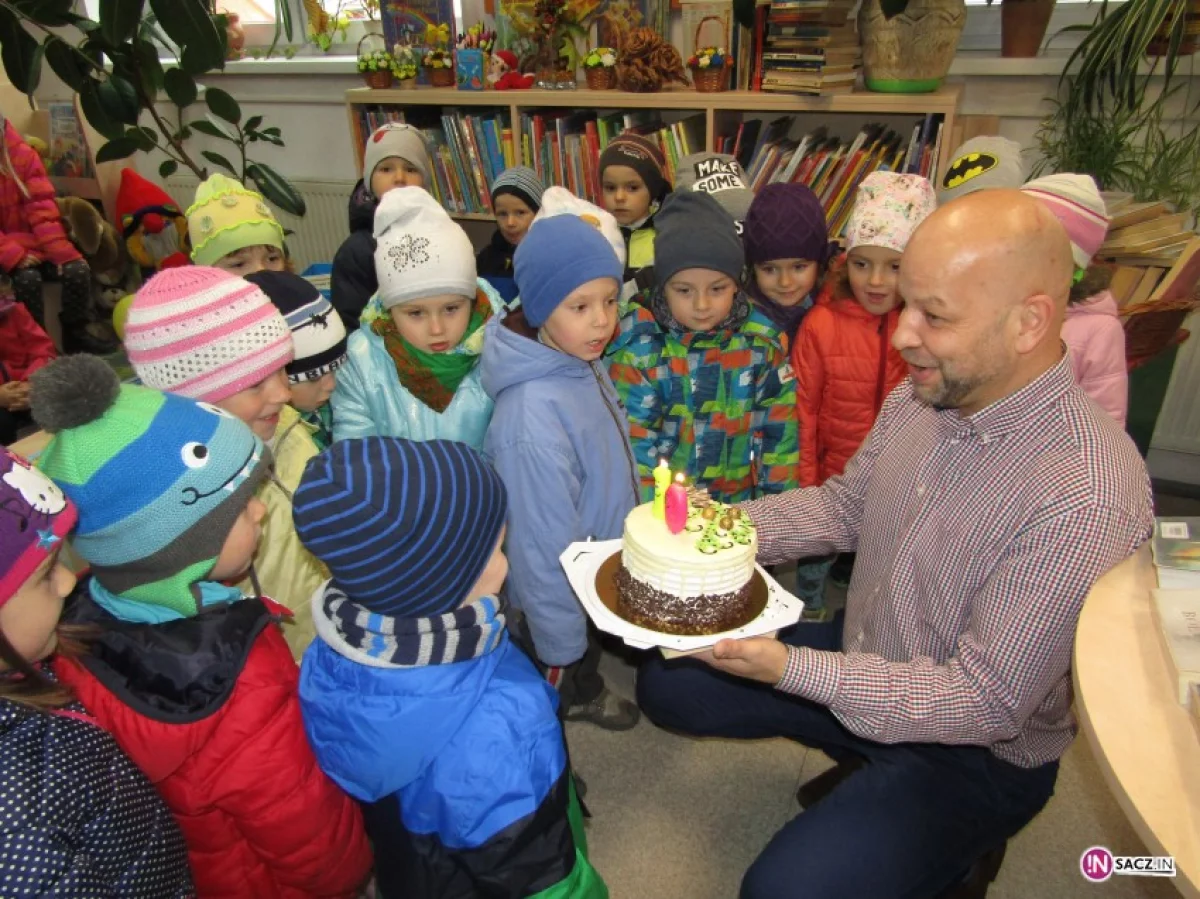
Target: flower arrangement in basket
x: 404, y: 65
x: 439, y: 61
x: 600, y: 68
x: 376, y: 66
x: 710, y: 69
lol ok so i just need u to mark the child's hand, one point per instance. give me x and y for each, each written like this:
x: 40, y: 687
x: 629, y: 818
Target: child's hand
x: 14, y: 396
x: 29, y: 261
x: 757, y: 658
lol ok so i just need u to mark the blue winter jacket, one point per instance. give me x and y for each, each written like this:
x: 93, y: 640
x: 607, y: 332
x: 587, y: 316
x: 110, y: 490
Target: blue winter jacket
x: 369, y: 401
x: 460, y: 767
x: 560, y: 441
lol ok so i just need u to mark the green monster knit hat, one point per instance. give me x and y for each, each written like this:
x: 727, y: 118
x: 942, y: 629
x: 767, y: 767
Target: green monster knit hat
x: 159, y: 479
x: 226, y: 217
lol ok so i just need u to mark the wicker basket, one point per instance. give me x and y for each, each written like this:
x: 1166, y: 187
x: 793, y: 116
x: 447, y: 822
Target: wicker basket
x: 378, y: 80
x: 601, y: 79
x: 1153, y: 327
x: 407, y: 84
x: 441, y: 77
x: 711, y: 80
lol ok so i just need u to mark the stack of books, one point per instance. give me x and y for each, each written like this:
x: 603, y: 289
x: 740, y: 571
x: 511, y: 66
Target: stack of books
x: 832, y: 167
x: 1145, y: 233
x: 811, y: 47
x: 1176, y: 604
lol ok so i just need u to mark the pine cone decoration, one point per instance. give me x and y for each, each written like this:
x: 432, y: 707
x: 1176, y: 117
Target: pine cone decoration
x: 647, y: 62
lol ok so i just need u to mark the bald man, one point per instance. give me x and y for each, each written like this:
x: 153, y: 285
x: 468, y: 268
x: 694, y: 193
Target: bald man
x: 983, y: 505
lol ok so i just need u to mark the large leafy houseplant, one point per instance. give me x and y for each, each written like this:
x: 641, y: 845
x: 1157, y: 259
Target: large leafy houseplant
x: 117, y: 97
x: 1112, y: 121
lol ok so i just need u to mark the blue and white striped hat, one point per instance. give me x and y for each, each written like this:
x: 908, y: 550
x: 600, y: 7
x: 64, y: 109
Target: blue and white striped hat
x: 405, y: 527
x: 318, y: 335
x: 523, y: 183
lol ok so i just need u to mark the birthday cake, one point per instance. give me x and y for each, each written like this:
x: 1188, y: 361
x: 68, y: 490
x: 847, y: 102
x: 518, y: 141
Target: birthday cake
x: 696, y: 581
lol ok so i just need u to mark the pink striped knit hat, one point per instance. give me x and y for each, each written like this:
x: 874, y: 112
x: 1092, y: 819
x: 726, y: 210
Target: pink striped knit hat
x: 203, y: 333
x: 1076, y: 203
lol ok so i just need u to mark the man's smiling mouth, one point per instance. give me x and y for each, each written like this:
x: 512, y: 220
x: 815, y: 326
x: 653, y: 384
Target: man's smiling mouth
x: 229, y: 486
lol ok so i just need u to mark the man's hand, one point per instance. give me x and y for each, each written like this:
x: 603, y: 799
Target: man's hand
x: 14, y: 396
x: 756, y: 658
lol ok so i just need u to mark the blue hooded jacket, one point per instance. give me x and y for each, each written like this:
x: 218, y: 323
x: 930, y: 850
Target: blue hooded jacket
x: 560, y: 440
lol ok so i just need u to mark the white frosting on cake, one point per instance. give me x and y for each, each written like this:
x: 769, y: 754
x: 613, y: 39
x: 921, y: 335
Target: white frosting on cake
x: 673, y: 563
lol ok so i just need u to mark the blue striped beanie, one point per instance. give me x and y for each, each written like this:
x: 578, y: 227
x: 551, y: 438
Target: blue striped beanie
x: 405, y: 527
x: 523, y: 183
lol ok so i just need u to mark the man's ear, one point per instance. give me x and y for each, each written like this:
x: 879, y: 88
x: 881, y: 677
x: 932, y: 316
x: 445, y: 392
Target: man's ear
x: 1036, y: 318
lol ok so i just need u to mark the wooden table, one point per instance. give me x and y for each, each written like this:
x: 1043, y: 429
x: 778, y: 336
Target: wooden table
x: 1143, y: 739
x: 29, y: 447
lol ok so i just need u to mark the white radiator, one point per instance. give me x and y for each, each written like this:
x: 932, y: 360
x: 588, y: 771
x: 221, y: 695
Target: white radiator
x: 317, y: 236
x: 1178, y: 427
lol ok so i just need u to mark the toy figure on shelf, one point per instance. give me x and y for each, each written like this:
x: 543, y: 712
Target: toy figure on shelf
x: 34, y: 247
x: 153, y: 225
x: 505, y: 74
x: 102, y: 249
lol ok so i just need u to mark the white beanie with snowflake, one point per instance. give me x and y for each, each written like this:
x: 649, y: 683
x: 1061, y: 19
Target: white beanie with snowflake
x: 419, y: 250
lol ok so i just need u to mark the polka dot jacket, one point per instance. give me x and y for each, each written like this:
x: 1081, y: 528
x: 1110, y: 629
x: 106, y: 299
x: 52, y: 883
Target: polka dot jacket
x: 77, y: 818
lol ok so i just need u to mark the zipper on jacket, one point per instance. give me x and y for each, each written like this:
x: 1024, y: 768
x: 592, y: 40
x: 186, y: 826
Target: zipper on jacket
x: 882, y: 375
x: 637, y: 491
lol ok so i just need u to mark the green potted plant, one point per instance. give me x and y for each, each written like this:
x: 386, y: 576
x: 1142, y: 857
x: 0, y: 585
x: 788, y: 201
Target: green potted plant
x: 908, y: 45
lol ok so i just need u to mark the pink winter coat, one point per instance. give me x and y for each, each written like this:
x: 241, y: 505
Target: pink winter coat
x: 29, y: 219
x: 1094, y: 335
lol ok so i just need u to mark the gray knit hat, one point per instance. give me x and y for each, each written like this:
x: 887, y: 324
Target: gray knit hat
x: 692, y: 230
x: 396, y: 139
x: 523, y: 183
x: 981, y: 163
x: 722, y: 177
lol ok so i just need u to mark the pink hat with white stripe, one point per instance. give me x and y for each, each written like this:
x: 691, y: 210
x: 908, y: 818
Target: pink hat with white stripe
x: 203, y: 333
x: 1076, y: 203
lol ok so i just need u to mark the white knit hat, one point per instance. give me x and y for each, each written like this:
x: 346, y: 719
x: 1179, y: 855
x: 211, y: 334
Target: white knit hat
x: 419, y: 251
x: 1076, y: 202
x: 560, y: 201
x: 204, y: 333
x: 395, y: 139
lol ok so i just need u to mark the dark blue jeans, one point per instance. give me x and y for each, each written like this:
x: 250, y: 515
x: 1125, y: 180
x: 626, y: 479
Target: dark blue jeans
x: 908, y: 824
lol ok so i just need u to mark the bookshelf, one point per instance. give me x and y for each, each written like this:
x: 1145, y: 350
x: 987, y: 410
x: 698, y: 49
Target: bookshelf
x: 720, y: 113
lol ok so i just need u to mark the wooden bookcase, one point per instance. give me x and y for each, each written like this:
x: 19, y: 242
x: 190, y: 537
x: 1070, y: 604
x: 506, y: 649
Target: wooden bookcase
x: 722, y: 110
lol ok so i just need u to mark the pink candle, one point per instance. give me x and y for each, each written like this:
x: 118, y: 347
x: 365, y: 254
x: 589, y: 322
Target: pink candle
x: 677, y: 505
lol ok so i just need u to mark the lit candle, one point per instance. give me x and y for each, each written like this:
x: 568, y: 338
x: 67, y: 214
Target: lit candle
x: 662, y: 480
x: 677, y: 505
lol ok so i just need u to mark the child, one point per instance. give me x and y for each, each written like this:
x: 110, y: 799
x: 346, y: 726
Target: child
x: 206, y: 334
x: 449, y: 739
x: 982, y: 163
x: 319, y: 343
x: 232, y: 229
x: 561, y: 444
x: 516, y: 198
x: 396, y: 155
x: 24, y: 348
x: 1092, y: 331
x: 33, y: 246
x: 411, y: 372
x: 721, y: 176
x: 787, y: 248
x: 634, y: 180
x: 704, y: 375
x: 79, y: 818
x: 192, y: 679
x: 844, y: 360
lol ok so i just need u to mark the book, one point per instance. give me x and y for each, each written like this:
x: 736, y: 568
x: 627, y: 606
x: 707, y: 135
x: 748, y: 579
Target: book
x: 1183, y: 276
x: 1194, y: 705
x: 406, y: 22
x: 1137, y: 212
x: 1177, y: 619
x: 68, y: 155
x: 1125, y: 279
x: 1176, y: 548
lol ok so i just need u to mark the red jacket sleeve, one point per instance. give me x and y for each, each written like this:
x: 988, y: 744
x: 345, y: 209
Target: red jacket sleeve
x: 39, y: 207
x: 39, y: 348
x: 809, y: 364
x: 11, y: 253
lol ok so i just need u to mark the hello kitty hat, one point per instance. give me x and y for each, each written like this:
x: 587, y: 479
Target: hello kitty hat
x: 36, y: 519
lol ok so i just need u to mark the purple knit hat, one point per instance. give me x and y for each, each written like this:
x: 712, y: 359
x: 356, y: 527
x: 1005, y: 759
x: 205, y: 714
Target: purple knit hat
x: 35, y: 517
x: 786, y: 221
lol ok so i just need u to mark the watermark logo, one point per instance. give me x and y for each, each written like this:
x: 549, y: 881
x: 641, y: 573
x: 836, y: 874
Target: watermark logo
x: 1097, y: 865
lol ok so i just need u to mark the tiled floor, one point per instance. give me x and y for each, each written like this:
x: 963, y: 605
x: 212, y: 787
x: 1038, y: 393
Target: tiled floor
x: 678, y: 818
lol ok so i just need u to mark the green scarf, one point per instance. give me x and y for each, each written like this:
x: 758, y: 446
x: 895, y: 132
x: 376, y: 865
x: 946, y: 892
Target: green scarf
x: 433, y: 378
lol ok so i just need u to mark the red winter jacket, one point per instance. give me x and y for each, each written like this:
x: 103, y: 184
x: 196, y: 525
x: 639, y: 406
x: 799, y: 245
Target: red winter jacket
x: 24, y: 346
x: 29, y: 220
x: 208, y: 708
x: 845, y: 367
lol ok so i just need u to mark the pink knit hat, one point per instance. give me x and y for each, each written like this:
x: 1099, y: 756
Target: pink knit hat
x: 1076, y: 202
x: 203, y: 333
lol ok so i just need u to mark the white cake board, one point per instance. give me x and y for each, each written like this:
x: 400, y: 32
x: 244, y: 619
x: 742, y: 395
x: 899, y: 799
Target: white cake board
x: 582, y: 561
